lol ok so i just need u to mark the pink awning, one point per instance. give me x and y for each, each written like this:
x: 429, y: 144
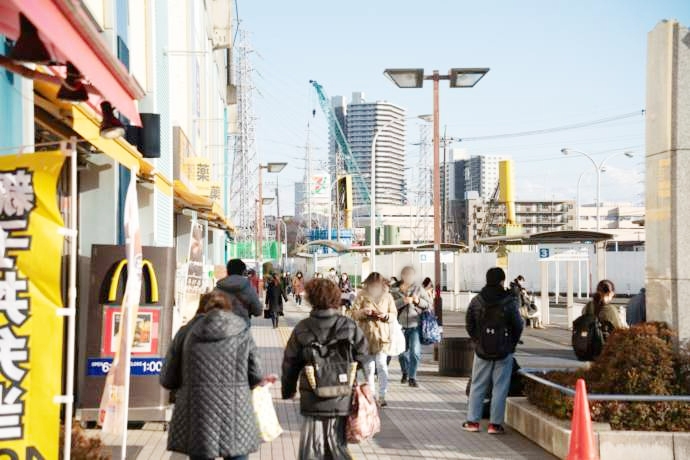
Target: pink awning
x: 69, y: 35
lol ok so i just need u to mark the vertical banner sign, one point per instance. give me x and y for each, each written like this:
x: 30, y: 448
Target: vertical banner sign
x: 195, y: 273
x: 30, y: 329
x: 113, y: 410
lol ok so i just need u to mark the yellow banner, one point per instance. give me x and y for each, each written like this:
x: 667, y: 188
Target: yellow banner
x: 30, y: 330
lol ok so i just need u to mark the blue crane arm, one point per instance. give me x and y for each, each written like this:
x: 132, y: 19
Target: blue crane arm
x: 336, y: 130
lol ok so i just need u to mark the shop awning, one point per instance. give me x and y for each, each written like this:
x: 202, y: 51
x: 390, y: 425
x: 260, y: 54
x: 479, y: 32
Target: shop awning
x: 206, y: 208
x: 88, y: 126
x: 69, y: 34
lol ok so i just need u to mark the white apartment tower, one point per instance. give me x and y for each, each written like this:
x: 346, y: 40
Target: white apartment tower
x: 362, y: 120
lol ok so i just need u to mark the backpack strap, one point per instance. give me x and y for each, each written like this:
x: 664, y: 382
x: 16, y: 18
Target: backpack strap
x: 316, y: 346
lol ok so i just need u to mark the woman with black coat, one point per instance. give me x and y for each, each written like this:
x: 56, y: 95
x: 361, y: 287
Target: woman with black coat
x: 323, y: 428
x: 274, y: 298
x: 212, y: 365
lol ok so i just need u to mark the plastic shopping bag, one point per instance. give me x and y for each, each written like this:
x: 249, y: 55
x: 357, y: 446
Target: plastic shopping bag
x: 397, y: 345
x: 266, y: 417
x: 363, y: 422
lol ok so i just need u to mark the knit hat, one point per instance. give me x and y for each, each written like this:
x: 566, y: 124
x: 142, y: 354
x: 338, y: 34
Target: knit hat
x: 236, y: 267
x: 495, y: 276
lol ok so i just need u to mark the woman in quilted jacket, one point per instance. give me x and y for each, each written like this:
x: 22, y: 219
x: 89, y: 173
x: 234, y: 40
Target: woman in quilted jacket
x: 324, y: 418
x: 374, y: 309
x: 212, y: 365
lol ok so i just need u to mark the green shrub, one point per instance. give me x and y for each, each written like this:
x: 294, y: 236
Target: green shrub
x: 640, y: 360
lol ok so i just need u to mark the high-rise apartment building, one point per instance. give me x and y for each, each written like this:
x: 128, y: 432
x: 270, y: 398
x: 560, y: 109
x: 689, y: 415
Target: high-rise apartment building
x: 471, y: 173
x: 360, y: 121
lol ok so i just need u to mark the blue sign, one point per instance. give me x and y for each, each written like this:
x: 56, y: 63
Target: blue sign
x: 544, y: 253
x: 99, y: 367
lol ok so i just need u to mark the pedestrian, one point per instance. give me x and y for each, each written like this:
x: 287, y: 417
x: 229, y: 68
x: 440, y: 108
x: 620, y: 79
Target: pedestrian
x: 242, y: 295
x: 274, y: 298
x: 410, y: 300
x: 428, y: 286
x: 323, y: 428
x: 286, y: 282
x: 602, y: 308
x: 528, y: 309
x: 494, y: 325
x: 332, y: 276
x: 253, y: 280
x: 298, y: 287
x: 374, y: 310
x: 636, y: 310
x: 344, y: 284
x: 212, y: 365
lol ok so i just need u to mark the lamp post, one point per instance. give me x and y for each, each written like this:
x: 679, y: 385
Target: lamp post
x: 259, y: 253
x: 599, y: 168
x: 372, y: 187
x: 577, y: 201
x: 414, y: 78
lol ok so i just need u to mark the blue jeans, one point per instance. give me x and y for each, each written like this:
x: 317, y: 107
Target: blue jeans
x: 485, y: 373
x: 409, y: 359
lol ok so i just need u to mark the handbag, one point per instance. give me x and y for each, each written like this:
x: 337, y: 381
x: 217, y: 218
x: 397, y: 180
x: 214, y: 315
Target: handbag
x: 265, y: 413
x: 429, y: 330
x: 397, y: 345
x: 363, y: 422
x: 267, y: 314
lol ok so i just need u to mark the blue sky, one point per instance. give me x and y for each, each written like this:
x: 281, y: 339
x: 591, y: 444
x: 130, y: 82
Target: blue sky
x: 553, y: 63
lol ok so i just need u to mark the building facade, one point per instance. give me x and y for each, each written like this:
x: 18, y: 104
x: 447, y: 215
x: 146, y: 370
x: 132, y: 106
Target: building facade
x: 622, y: 220
x: 360, y: 121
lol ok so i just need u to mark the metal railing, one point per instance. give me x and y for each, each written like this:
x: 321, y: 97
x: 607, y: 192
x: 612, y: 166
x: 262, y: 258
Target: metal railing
x: 530, y: 374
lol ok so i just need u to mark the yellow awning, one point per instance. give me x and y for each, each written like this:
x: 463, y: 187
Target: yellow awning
x: 88, y: 126
x: 207, y: 208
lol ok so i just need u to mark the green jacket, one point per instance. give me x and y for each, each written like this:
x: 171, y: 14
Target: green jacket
x: 607, y: 313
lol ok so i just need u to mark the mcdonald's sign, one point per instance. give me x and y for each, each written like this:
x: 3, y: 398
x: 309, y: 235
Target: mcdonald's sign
x: 152, y: 329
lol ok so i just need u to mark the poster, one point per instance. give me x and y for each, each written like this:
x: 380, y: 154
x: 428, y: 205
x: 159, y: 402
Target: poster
x: 194, y: 279
x: 114, y: 403
x: 146, y: 329
x: 30, y: 329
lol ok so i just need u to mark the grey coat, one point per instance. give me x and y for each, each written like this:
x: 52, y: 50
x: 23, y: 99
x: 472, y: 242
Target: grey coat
x: 213, y: 364
x: 245, y: 301
x: 408, y: 314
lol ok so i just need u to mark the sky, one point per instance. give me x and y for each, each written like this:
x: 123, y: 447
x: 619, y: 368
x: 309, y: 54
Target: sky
x: 553, y: 63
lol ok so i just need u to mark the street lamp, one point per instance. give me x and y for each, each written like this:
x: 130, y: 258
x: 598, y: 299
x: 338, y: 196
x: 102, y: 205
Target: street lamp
x: 599, y: 168
x: 259, y: 253
x: 372, y: 191
x: 459, y: 78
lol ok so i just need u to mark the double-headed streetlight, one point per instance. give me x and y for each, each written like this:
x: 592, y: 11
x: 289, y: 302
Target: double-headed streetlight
x: 372, y: 187
x: 260, y: 202
x: 414, y: 78
x: 599, y: 168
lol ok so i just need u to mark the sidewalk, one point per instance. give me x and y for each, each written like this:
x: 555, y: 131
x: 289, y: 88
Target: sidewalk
x: 418, y: 423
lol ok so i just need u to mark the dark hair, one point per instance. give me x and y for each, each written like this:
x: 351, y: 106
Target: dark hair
x: 520, y: 278
x: 299, y: 275
x: 236, y: 267
x: 375, y: 277
x: 322, y: 294
x: 214, y: 300
x: 603, y: 288
x: 427, y: 282
x: 495, y: 276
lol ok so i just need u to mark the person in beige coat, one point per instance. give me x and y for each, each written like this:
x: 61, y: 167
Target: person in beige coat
x: 374, y: 309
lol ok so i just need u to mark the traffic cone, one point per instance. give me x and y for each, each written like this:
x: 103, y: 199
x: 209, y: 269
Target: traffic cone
x: 582, y: 445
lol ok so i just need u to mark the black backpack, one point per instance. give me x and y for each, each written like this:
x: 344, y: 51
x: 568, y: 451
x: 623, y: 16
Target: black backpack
x: 494, y: 332
x: 589, y: 336
x: 330, y: 367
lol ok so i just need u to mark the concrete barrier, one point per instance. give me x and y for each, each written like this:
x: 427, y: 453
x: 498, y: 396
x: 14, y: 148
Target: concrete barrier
x: 553, y: 435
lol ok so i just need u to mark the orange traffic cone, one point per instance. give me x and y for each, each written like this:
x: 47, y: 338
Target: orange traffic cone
x: 582, y: 445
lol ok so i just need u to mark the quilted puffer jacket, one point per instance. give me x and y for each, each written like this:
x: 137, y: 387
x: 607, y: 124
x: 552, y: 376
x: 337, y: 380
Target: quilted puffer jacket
x: 212, y: 365
x: 322, y: 322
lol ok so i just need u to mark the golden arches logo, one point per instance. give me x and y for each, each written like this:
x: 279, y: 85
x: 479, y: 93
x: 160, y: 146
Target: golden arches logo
x: 147, y: 267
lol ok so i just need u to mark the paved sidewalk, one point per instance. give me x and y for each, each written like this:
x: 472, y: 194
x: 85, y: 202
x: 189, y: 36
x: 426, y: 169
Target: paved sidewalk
x: 418, y: 423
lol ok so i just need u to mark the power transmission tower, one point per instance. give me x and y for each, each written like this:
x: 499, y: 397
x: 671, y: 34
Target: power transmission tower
x: 244, y: 166
x: 424, y: 184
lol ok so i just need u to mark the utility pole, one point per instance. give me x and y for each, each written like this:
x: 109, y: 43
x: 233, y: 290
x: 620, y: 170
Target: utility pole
x: 307, y: 182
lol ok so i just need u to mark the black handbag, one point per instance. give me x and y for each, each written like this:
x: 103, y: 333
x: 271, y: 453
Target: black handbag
x: 267, y: 314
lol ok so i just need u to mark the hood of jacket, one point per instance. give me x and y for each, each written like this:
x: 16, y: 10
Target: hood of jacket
x: 234, y: 284
x: 495, y: 294
x: 218, y: 325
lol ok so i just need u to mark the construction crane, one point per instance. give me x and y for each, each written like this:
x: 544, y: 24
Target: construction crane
x: 337, y: 133
x: 490, y: 214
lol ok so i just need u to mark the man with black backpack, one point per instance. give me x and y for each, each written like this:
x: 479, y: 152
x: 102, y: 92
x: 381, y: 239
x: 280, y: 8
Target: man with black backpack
x: 494, y: 325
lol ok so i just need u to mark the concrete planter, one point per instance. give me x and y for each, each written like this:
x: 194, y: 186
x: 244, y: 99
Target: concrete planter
x: 553, y: 435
